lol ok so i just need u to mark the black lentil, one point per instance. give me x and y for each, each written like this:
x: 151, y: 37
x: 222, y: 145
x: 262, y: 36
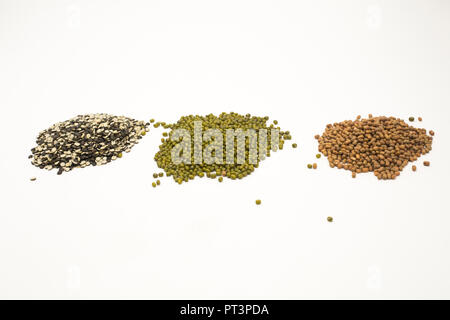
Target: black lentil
x: 92, y: 139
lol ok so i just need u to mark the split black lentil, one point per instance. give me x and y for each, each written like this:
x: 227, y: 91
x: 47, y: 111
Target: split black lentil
x: 92, y: 139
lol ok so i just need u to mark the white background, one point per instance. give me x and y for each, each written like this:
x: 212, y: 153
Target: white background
x: 104, y: 232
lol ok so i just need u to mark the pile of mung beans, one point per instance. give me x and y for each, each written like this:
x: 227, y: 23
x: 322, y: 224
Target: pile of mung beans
x: 183, y: 172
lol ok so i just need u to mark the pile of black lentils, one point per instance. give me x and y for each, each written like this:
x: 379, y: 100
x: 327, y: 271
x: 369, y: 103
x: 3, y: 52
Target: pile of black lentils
x: 92, y: 139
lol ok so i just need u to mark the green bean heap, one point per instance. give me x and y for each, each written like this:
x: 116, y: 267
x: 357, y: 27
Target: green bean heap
x: 183, y: 172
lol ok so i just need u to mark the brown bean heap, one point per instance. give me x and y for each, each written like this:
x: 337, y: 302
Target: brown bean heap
x: 382, y: 145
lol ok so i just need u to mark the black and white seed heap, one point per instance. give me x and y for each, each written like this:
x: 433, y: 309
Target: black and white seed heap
x: 92, y: 139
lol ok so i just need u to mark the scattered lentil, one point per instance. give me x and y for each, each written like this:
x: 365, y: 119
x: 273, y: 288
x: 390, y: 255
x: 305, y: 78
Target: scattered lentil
x: 330, y: 219
x: 314, y: 165
x: 431, y: 133
x: 318, y: 156
x: 414, y: 168
x: 294, y: 145
x: 426, y: 163
x: 310, y: 166
x: 258, y: 202
x: 33, y: 179
x: 411, y: 119
x: 419, y: 118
